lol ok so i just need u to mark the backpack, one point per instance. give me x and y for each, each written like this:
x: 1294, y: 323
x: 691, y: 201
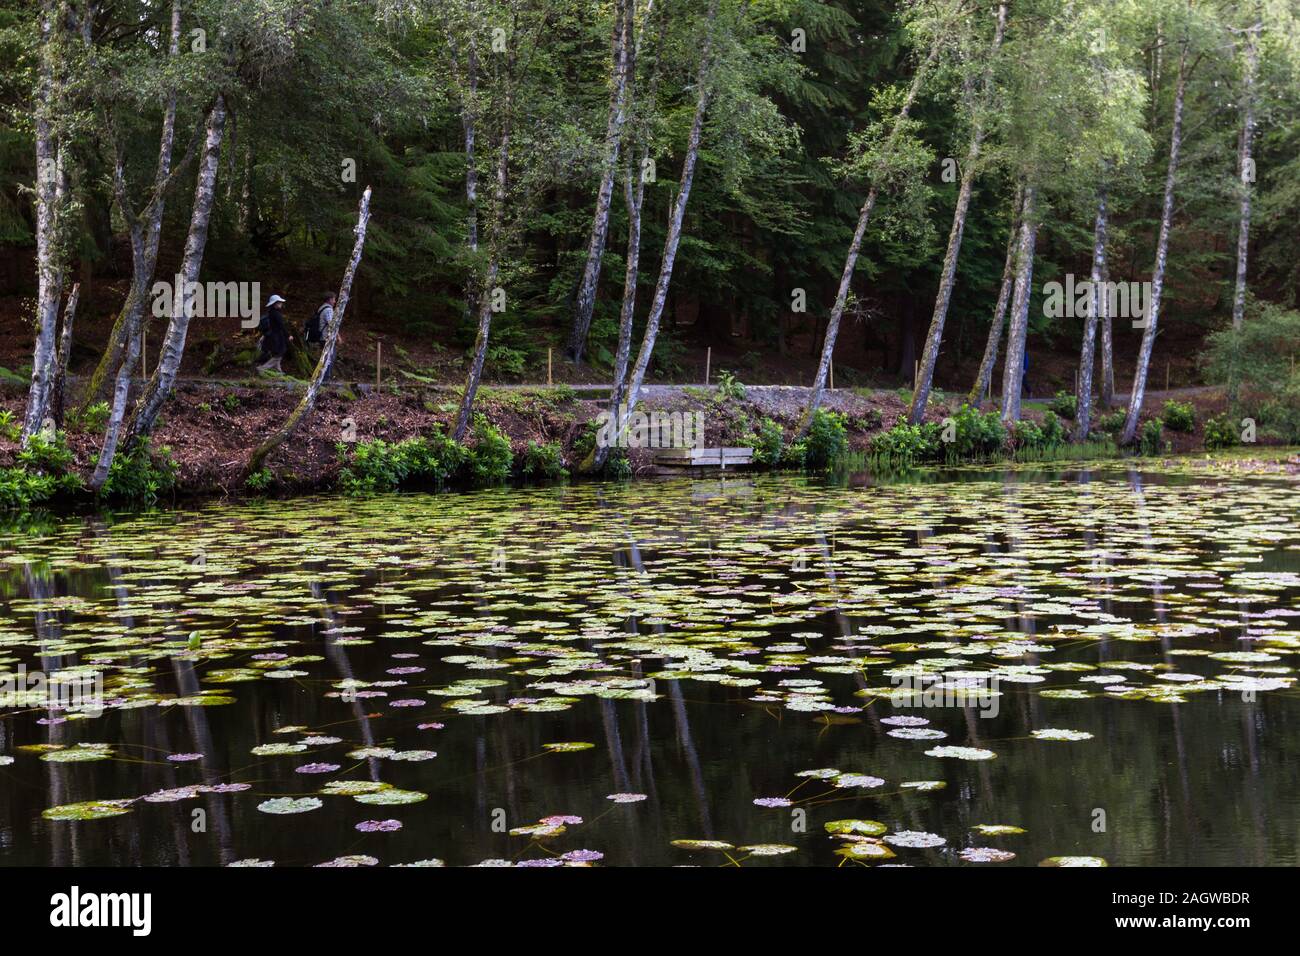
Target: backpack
x: 312, y: 330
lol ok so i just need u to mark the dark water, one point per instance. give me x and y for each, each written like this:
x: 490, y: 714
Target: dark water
x: 709, y: 641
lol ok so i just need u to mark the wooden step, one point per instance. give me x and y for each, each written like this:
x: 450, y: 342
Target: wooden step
x: 705, y: 457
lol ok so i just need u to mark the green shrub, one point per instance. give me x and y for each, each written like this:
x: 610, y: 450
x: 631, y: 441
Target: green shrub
x: 1026, y: 434
x: 1151, y: 437
x: 1178, y: 416
x: 139, y: 475
x: 976, y: 434
x: 489, y: 457
x: 50, y: 457
x: 827, y: 440
x: 768, y: 443
x: 1112, y: 423
x: 1256, y: 362
x: 259, y: 481
x: 1220, y: 432
x: 729, y: 386
x: 230, y: 402
x: 545, y: 462
x: 93, y: 419
x: 426, y: 461
x: 906, y: 444
x: 1065, y: 404
x: 1053, y: 431
x: 9, y: 428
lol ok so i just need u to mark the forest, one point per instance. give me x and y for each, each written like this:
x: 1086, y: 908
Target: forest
x: 993, y: 201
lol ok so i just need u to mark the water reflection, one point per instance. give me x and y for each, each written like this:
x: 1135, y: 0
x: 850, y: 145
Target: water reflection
x: 711, y: 641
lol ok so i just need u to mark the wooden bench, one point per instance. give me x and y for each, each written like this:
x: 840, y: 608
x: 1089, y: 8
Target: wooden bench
x: 723, y: 458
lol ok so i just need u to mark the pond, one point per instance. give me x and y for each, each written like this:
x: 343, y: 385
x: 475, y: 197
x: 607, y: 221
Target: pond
x: 987, y: 668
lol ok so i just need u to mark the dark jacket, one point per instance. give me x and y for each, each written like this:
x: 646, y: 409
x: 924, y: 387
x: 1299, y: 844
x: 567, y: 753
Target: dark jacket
x: 275, y: 334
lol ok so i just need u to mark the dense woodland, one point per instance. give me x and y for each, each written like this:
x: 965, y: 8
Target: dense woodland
x: 503, y: 176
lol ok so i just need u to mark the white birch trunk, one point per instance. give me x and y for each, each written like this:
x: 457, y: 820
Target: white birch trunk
x: 1013, y: 370
x: 1129, y: 434
x: 948, y: 276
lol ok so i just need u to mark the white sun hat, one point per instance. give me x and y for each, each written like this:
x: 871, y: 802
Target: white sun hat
x: 273, y: 300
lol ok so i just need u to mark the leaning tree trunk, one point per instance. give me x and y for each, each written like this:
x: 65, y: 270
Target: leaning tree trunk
x: 475, y: 373
x: 60, y: 377
x: 326, y: 359
x: 1245, y: 175
x: 948, y: 276
x: 1098, y: 306
x: 855, y: 248
x: 585, y: 301
x: 675, y: 218
x: 173, y: 348
x: 145, y: 257
x: 1129, y: 434
x: 469, y: 122
x: 1013, y: 369
x: 985, y: 375
x: 1107, y: 349
x: 51, y: 190
x: 635, y: 195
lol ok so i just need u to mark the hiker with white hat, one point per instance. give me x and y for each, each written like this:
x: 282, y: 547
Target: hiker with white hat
x: 275, y: 335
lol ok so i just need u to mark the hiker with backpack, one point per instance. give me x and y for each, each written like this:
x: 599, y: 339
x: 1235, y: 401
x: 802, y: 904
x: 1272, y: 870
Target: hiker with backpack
x: 316, y: 327
x: 275, y: 335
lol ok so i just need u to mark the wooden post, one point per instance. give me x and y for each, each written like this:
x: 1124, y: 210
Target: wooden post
x: 379, y: 361
x: 708, y: 361
x: 548, y: 366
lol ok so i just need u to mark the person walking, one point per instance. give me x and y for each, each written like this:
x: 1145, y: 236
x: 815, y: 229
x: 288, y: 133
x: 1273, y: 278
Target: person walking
x: 275, y: 335
x: 318, y: 325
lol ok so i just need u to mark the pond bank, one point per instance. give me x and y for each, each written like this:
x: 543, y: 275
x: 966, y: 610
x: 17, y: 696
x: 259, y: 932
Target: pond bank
x: 209, y: 428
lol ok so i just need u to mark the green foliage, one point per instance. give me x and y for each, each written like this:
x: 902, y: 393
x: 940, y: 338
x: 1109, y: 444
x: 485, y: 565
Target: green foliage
x: 490, y: 456
x: 827, y: 440
x: 1258, y: 361
x: 40, y: 476
x: 768, y: 442
x: 93, y: 419
x: 1178, y: 416
x: 907, y: 444
x: 9, y: 428
x: 426, y: 461
x: 730, y: 387
x: 1220, y: 432
x: 1151, y: 438
x: 259, y: 482
x: 1065, y: 404
x: 976, y: 434
x: 1112, y: 423
x: 230, y: 402
x: 545, y: 462
x: 139, y: 475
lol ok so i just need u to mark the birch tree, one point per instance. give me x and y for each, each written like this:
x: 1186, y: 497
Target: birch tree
x: 1186, y: 62
x: 948, y: 273
x: 677, y: 213
x: 585, y: 300
x: 985, y: 374
x: 164, y: 375
x: 51, y: 199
